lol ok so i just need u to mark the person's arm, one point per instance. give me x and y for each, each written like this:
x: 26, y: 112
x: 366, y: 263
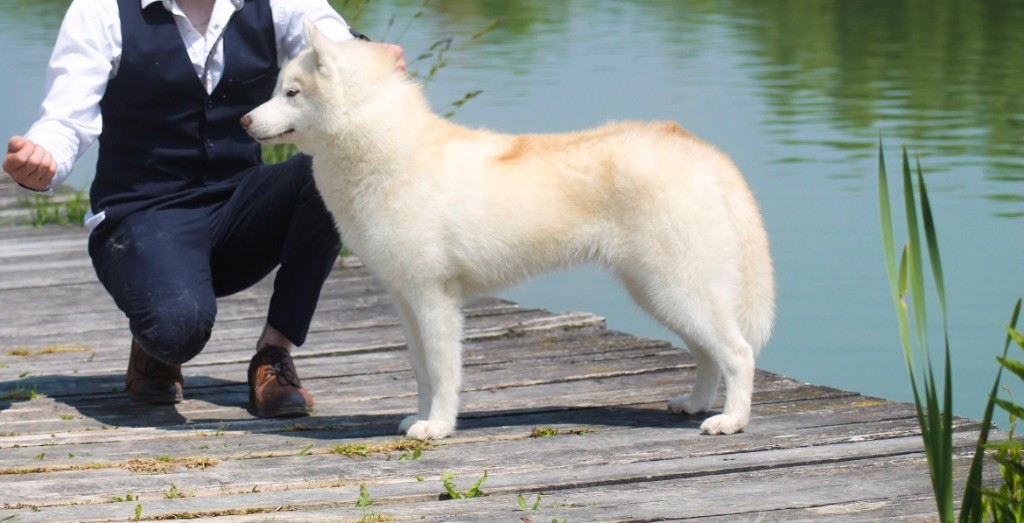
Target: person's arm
x: 292, y: 16
x: 76, y: 78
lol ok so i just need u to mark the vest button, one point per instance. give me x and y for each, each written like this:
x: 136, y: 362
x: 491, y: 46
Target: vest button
x: 209, y: 104
x: 209, y: 143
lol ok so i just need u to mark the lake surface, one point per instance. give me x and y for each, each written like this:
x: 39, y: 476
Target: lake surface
x: 797, y: 92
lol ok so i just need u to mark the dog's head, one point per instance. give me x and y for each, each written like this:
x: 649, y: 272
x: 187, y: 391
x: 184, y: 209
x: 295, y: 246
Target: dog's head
x: 320, y: 90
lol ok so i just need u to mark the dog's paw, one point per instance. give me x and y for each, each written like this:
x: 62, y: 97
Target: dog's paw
x: 688, y: 404
x: 426, y: 429
x: 722, y: 424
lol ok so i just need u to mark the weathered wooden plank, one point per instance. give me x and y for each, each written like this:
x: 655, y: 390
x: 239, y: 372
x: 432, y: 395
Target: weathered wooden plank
x: 370, y: 331
x: 829, y: 465
x: 346, y: 417
x: 828, y: 410
x: 729, y: 497
x: 368, y: 369
x: 627, y: 433
x: 847, y: 412
x: 332, y: 315
x: 99, y: 374
x: 356, y: 395
x: 350, y: 294
x: 895, y: 508
x: 42, y: 240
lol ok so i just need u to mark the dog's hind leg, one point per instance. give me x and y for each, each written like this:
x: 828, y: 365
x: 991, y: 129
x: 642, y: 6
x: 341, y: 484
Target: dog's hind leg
x: 705, y: 388
x: 703, y: 319
x: 734, y: 359
x: 418, y: 361
x: 437, y: 317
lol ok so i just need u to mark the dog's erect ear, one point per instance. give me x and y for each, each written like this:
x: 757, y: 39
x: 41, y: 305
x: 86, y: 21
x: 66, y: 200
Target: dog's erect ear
x: 319, y: 45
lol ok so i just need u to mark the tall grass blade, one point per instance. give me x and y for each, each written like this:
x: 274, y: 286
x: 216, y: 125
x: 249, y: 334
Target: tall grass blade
x: 915, y: 268
x: 934, y: 407
x: 885, y: 210
x: 933, y: 243
x: 897, y: 277
x: 943, y: 417
x: 971, y: 507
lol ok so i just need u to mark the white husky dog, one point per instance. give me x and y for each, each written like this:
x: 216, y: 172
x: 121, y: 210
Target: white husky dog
x: 440, y: 213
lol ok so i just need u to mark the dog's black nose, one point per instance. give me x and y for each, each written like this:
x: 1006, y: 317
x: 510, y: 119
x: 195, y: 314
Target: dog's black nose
x: 246, y: 121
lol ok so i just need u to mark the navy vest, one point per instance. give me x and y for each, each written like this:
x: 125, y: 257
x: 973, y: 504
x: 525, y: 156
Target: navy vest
x: 165, y: 141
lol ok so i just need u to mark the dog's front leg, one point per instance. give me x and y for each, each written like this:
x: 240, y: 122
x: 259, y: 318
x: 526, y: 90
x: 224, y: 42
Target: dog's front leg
x: 437, y: 317
x: 418, y: 361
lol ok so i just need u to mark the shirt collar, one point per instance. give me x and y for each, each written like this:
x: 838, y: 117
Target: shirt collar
x: 169, y: 3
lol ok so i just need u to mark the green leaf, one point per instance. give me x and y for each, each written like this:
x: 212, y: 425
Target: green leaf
x: 1011, y: 467
x: 1016, y: 336
x: 364, y: 497
x: 1014, y: 410
x: 449, y: 485
x: 903, y: 290
x: 1007, y: 446
x: 971, y: 509
x: 1014, y: 366
x: 931, y: 239
x: 474, y: 491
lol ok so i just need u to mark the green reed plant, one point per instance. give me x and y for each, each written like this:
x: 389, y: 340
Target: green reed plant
x: 58, y: 209
x: 934, y: 405
x: 448, y: 481
x: 1005, y: 503
x: 907, y: 276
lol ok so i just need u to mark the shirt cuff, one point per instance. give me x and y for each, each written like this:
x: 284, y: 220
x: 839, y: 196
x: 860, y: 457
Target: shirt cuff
x: 45, y: 190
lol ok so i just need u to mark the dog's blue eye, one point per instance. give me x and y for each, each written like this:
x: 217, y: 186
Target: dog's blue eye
x: 291, y: 93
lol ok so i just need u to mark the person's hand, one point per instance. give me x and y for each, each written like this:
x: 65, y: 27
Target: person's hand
x: 396, y: 52
x: 29, y: 164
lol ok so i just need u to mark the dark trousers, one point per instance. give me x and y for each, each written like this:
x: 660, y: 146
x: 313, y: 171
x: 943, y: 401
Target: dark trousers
x: 165, y: 267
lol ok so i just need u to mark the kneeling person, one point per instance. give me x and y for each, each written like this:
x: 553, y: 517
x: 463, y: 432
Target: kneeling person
x: 183, y: 211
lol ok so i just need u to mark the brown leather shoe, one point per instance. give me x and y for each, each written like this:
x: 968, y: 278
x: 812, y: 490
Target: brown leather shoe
x: 150, y: 380
x: 274, y: 387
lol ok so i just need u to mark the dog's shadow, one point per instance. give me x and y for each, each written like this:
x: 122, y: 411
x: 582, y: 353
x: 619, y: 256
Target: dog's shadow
x: 544, y: 420
x: 573, y: 418
x: 101, y: 398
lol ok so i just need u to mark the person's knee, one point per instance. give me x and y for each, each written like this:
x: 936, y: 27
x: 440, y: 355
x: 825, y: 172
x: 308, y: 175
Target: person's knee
x: 174, y: 332
x: 301, y: 169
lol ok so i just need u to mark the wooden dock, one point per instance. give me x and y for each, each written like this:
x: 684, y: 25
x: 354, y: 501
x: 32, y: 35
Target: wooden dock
x: 566, y: 418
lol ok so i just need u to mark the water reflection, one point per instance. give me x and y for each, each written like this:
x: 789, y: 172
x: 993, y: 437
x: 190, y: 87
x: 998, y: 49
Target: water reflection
x: 944, y: 76
x: 36, y: 21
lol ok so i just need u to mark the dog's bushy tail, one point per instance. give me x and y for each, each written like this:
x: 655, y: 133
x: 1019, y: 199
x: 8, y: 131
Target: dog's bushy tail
x: 756, y: 313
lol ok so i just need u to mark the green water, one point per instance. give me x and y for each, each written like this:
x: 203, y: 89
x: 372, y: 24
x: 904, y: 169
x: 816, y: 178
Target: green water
x: 797, y: 91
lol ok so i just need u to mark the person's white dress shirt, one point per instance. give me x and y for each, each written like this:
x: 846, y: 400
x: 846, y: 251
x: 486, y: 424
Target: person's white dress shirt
x: 88, y: 51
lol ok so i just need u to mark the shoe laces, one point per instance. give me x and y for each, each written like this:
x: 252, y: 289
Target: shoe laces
x: 280, y: 365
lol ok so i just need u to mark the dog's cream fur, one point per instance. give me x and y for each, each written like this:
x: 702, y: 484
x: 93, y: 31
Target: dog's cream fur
x: 440, y: 212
